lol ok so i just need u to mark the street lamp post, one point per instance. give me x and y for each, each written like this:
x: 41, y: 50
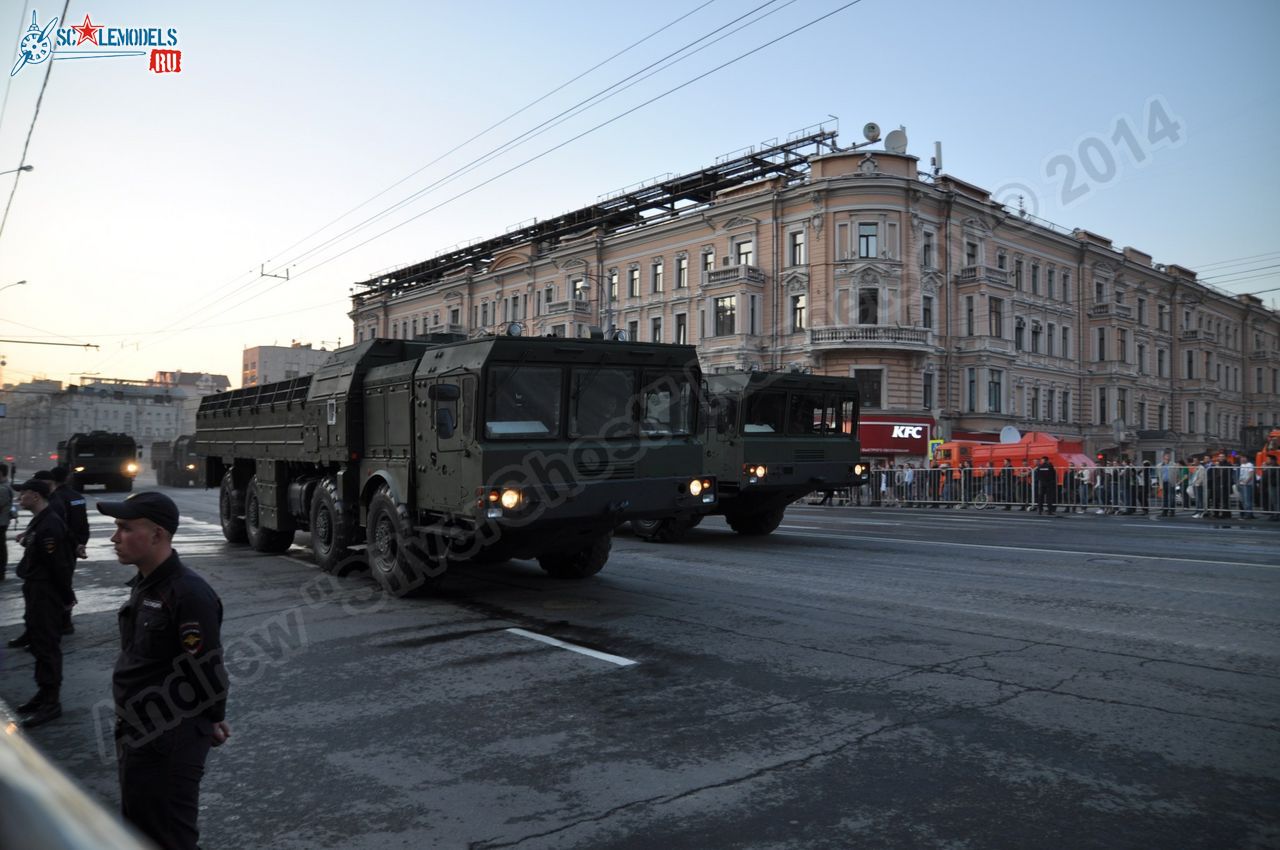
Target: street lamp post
x: 19, y: 168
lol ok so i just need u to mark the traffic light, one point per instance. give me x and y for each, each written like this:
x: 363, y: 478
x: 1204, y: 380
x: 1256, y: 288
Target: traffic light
x: 1102, y: 458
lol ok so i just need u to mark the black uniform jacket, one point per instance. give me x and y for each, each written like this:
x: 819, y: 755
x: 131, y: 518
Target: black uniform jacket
x: 73, y: 511
x: 48, y: 555
x: 170, y: 665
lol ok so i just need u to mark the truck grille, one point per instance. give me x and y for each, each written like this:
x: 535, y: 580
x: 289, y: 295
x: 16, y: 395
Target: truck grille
x: 810, y: 454
x: 602, y: 468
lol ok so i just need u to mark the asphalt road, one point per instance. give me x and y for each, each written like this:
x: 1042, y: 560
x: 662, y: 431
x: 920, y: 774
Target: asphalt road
x: 861, y: 678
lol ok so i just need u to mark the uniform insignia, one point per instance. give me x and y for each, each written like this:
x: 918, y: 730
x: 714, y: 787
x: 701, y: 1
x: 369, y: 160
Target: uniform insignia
x: 189, y: 635
x: 152, y: 603
x: 50, y: 545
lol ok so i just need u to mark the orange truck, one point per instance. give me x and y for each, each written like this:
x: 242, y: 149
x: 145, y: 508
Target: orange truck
x: 1023, y: 454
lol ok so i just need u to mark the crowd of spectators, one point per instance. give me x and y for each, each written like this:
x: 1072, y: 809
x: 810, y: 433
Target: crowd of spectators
x: 1216, y: 486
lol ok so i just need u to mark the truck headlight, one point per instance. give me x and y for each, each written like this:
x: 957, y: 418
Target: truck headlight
x: 131, y: 467
x: 79, y: 469
x: 695, y: 487
x: 755, y: 472
x: 510, y: 499
x: 191, y: 466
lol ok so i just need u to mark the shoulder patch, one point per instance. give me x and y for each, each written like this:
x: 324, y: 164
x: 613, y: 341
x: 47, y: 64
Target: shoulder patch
x: 50, y: 545
x: 189, y: 635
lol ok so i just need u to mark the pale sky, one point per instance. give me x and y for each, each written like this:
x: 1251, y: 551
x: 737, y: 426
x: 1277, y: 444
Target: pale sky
x: 156, y: 198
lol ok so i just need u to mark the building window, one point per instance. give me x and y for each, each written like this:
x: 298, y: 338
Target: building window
x: 1141, y: 411
x: 1162, y: 317
x: 995, y: 307
x: 726, y: 309
x: 1019, y: 333
x: 1035, y: 278
x: 1066, y: 406
x: 1099, y: 292
x: 1189, y: 368
x: 1049, y: 409
x: 798, y: 313
x: 968, y: 315
x: 868, y: 306
x: 1101, y: 352
x: 970, y: 253
x: 926, y: 390
x: 971, y: 390
x: 682, y: 273
x: 1066, y: 286
x: 655, y: 329
x: 870, y: 387
x: 1017, y: 275
x: 1142, y: 359
x: 633, y: 330
x: 995, y: 390
x: 581, y: 292
x: 1036, y: 332
x: 633, y: 283
x: 926, y: 251
x: 1102, y: 406
x: 1002, y: 259
x: 1258, y: 379
x: 1034, y: 413
x: 796, y: 248
x: 682, y: 329
x: 613, y: 284
x: 926, y: 311
x: 1122, y: 345
x: 1122, y: 404
x: 656, y: 276
x: 1049, y: 281
x: 708, y: 261
x: 867, y: 240
x: 1048, y: 340
x: 1142, y: 312
x: 745, y: 252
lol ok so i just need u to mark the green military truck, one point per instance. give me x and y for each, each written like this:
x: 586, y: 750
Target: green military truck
x: 176, y: 463
x: 771, y: 438
x: 100, y: 457
x: 429, y: 454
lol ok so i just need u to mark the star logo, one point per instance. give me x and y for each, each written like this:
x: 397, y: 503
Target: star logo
x: 88, y: 31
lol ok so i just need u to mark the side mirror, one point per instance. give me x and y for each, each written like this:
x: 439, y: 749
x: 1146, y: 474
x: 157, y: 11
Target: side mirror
x: 444, y: 392
x: 444, y: 422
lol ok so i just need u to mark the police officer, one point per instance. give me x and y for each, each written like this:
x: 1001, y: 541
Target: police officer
x: 1046, y: 485
x: 169, y: 685
x: 77, y: 519
x: 6, y: 501
x: 45, y: 571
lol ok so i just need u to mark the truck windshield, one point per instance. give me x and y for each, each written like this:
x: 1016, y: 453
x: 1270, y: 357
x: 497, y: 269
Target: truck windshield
x: 600, y: 402
x: 666, y: 405
x: 523, y: 402
x: 764, y: 413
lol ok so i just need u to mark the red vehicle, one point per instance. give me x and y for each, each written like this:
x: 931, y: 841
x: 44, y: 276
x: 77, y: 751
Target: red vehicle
x: 1023, y: 455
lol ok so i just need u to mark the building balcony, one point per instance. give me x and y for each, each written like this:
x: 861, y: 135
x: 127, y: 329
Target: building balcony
x: 983, y: 274
x: 732, y: 275
x: 575, y: 306
x: 869, y: 336
x: 974, y: 344
x: 446, y: 329
x: 1262, y: 355
x: 1112, y: 368
x: 1197, y: 335
x: 1106, y: 311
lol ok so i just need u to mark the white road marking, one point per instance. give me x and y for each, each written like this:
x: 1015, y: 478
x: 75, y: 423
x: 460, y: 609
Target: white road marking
x: 603, y: 656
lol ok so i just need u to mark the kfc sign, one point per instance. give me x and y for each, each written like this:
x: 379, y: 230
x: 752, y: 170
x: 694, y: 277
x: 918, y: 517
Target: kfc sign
x: 897, y: 436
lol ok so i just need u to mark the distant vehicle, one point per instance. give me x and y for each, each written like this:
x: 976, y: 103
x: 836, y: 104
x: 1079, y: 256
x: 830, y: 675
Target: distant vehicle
x: 435, y: 454
x: 176, y: 463
x: 100, y: 457
x: 1270, y: 449
x: 771, y: 438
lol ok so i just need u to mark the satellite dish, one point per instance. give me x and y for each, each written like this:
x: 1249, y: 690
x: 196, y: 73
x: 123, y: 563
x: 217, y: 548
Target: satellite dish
x: 871, y: 131
x: 896, y: 142
x: 1010, y: 434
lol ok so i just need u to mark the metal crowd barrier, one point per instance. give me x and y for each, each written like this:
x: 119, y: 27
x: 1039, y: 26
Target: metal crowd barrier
x: 1210, y: 492
x: 41, y: 809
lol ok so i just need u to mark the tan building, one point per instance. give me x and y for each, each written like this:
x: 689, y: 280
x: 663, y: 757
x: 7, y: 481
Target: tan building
x: 265, y: 364
x: 957, y: 315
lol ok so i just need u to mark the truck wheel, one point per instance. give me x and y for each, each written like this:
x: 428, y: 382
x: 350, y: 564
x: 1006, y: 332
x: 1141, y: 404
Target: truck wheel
x: 667, y: 530
x: 398, y: 561
x: 269, y: 540
x: 331, y: 531
x: 231, y: 510
x: 580, y: 563
x: 757, y: 524
x: 126, y: 484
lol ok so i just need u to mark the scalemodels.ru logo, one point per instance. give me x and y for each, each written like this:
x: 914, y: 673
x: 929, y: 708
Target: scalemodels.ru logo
x: 87, y: 40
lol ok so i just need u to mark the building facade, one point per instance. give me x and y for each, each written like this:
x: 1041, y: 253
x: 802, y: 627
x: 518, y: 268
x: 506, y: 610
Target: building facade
x: 40, y: 414
x: 265, y: 364
x: 957, y: 315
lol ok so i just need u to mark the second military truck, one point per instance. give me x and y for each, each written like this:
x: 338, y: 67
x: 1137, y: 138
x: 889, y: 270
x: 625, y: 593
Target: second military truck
x: 100, y: 457
x: 426, y: 455
x: 176, y: 463
x: 771, y: 438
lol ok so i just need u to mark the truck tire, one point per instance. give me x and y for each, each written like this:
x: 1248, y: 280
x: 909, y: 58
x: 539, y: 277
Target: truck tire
x: 757, y: 524
x: 269, y: 540
x: 331, y: 531
x: 579, y: 563
x: 126, y: 484
x: 231, y: 510
x: 398, y: 562
x: 667, y: 530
